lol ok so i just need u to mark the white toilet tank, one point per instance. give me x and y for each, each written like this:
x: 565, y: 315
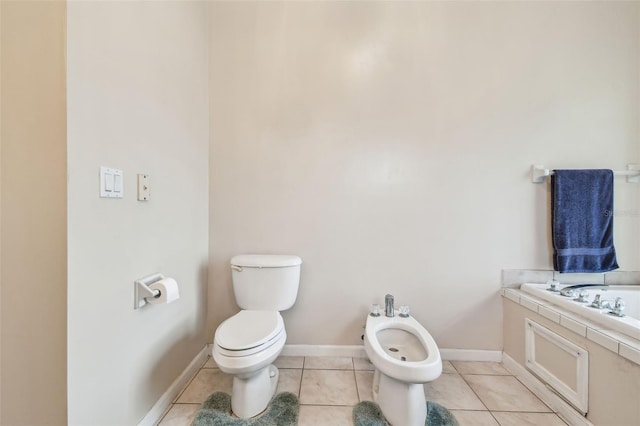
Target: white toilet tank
x: 265, y: 282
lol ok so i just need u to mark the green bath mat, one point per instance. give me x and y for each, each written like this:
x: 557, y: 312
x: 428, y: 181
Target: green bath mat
x: 216, y: 411
x: 367, y: 413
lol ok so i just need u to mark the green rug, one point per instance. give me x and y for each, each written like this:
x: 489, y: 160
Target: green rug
x: 367, y: 413
x: 216, y: 411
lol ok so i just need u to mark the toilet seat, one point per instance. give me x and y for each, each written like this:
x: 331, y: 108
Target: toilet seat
x: 248, y: 332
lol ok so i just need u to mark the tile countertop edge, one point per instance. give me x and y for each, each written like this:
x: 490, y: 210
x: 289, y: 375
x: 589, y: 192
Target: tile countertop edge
x: 622, y: 345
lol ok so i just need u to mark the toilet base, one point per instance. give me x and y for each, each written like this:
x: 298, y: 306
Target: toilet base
x: 402, y: 404
x: 251, y: 395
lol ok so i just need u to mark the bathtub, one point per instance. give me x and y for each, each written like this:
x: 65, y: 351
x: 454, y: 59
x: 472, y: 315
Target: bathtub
x: 629, y: 324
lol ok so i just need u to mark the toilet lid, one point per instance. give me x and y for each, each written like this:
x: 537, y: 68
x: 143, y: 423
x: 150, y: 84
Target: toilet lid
x: 248, y: 329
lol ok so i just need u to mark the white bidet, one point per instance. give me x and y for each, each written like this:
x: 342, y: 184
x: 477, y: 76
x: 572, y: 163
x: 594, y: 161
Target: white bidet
x: 405, y: 356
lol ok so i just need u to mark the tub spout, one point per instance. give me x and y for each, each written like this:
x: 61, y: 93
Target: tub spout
x: 572, y: 290
x: 388, y: 305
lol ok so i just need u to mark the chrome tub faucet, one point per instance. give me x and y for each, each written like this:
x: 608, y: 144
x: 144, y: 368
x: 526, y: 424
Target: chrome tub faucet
x: 618, y: 307
x: 600, y: 303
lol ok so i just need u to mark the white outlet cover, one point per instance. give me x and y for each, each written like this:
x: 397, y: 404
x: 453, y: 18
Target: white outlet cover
x: 143, y: 187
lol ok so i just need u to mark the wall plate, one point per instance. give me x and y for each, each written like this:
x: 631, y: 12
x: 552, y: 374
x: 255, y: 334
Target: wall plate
x: 143, y: 187
x: 111, y: 183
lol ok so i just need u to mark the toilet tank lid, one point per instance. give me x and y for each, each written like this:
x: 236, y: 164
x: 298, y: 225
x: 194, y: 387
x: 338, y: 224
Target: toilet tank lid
x: 265, y: 260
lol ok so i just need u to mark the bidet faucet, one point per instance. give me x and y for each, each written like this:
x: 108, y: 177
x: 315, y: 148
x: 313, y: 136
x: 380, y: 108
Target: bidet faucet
x: 388, y: 305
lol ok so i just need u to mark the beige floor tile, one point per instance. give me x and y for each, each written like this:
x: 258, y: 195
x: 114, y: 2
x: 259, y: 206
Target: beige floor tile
x: 207, y: 381
x: 528, y: 419
x: 474, y: 418
x: 364, y: 381
x: 180, y: 415
x: 211, y: 363
x: 328, y: 363
x: 314, y: 415
x: 451, y: 391
x: 480, y: 367
x: 328, y: 387
x: 504, y: 393
x: 447, y: 367
x: 289, y: 362
x: 363, y: 364
x: 289, y: 381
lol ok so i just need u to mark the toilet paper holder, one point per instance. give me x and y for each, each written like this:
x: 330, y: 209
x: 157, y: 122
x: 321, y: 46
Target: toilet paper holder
x: 142, y: 292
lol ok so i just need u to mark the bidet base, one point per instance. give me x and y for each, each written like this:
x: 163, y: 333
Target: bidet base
x: 402, y: 404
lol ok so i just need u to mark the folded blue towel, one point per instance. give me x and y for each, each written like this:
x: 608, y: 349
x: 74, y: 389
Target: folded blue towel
x: 582, y: 221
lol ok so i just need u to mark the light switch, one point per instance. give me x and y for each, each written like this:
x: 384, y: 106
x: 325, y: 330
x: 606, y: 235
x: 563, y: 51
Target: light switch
x: 111, y: 184
x: 108, y: 182
x: 117, y: 183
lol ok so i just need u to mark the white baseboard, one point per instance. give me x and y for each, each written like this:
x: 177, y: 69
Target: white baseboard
x: 158, y: 409
x: 470, y: 355
x: 557, y: 404
x: 357, y: 351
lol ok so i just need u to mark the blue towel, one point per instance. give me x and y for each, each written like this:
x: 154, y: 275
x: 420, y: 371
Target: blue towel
x: 582, y: 221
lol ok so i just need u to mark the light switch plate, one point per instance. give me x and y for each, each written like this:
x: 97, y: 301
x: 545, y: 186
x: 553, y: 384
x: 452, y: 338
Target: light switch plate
x: 111, y: 183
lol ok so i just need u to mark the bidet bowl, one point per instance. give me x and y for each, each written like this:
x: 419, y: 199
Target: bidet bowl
x: 402, y: 349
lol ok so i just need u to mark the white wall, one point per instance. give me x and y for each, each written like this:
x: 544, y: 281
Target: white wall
x: 137, y: 101
x: 389, y: 145
x: 33, y: 214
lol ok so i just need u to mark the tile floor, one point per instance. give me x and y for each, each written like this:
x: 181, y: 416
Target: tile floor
x: 477, y: 393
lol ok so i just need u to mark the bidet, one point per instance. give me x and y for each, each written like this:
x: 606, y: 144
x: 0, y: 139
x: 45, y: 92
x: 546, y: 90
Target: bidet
x: 404, y: 356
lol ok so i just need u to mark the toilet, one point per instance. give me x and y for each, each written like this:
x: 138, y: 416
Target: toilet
x: 246, y: 344
x: 404, y: 356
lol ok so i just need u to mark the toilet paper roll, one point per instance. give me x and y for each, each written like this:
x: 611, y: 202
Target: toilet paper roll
x: 168, y: 291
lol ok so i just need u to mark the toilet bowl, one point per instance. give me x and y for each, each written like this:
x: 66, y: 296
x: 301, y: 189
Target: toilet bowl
x: 245, y: 345
x: 404, y: 356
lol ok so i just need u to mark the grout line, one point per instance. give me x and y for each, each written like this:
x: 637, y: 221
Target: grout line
x: 164, y: 414
x: 187, y: 385
x: 474, y: 392
x: 524, y: 411
x: 534, y: 394
x: 355, y: 379
x: 300, y: 385
x: 494, y: 417
x: 326, y: 405
x: 175, y: 401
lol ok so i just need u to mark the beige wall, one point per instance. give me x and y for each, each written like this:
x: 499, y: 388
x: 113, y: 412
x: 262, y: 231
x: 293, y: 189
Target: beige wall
x: 389, y: 143
x: 33, y: 302
x: 137, y: 101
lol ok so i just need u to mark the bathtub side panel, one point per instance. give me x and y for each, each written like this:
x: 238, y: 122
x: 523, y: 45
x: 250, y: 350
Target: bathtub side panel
x: 614, y: 382
x: 614, y: 388
x: 513, y: 330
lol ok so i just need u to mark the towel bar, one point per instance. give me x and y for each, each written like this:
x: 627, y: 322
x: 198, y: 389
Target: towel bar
x: 539, y: 173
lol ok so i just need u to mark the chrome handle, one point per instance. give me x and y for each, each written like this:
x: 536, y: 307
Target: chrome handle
x: 618, y: 307
x: 583, y: 296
